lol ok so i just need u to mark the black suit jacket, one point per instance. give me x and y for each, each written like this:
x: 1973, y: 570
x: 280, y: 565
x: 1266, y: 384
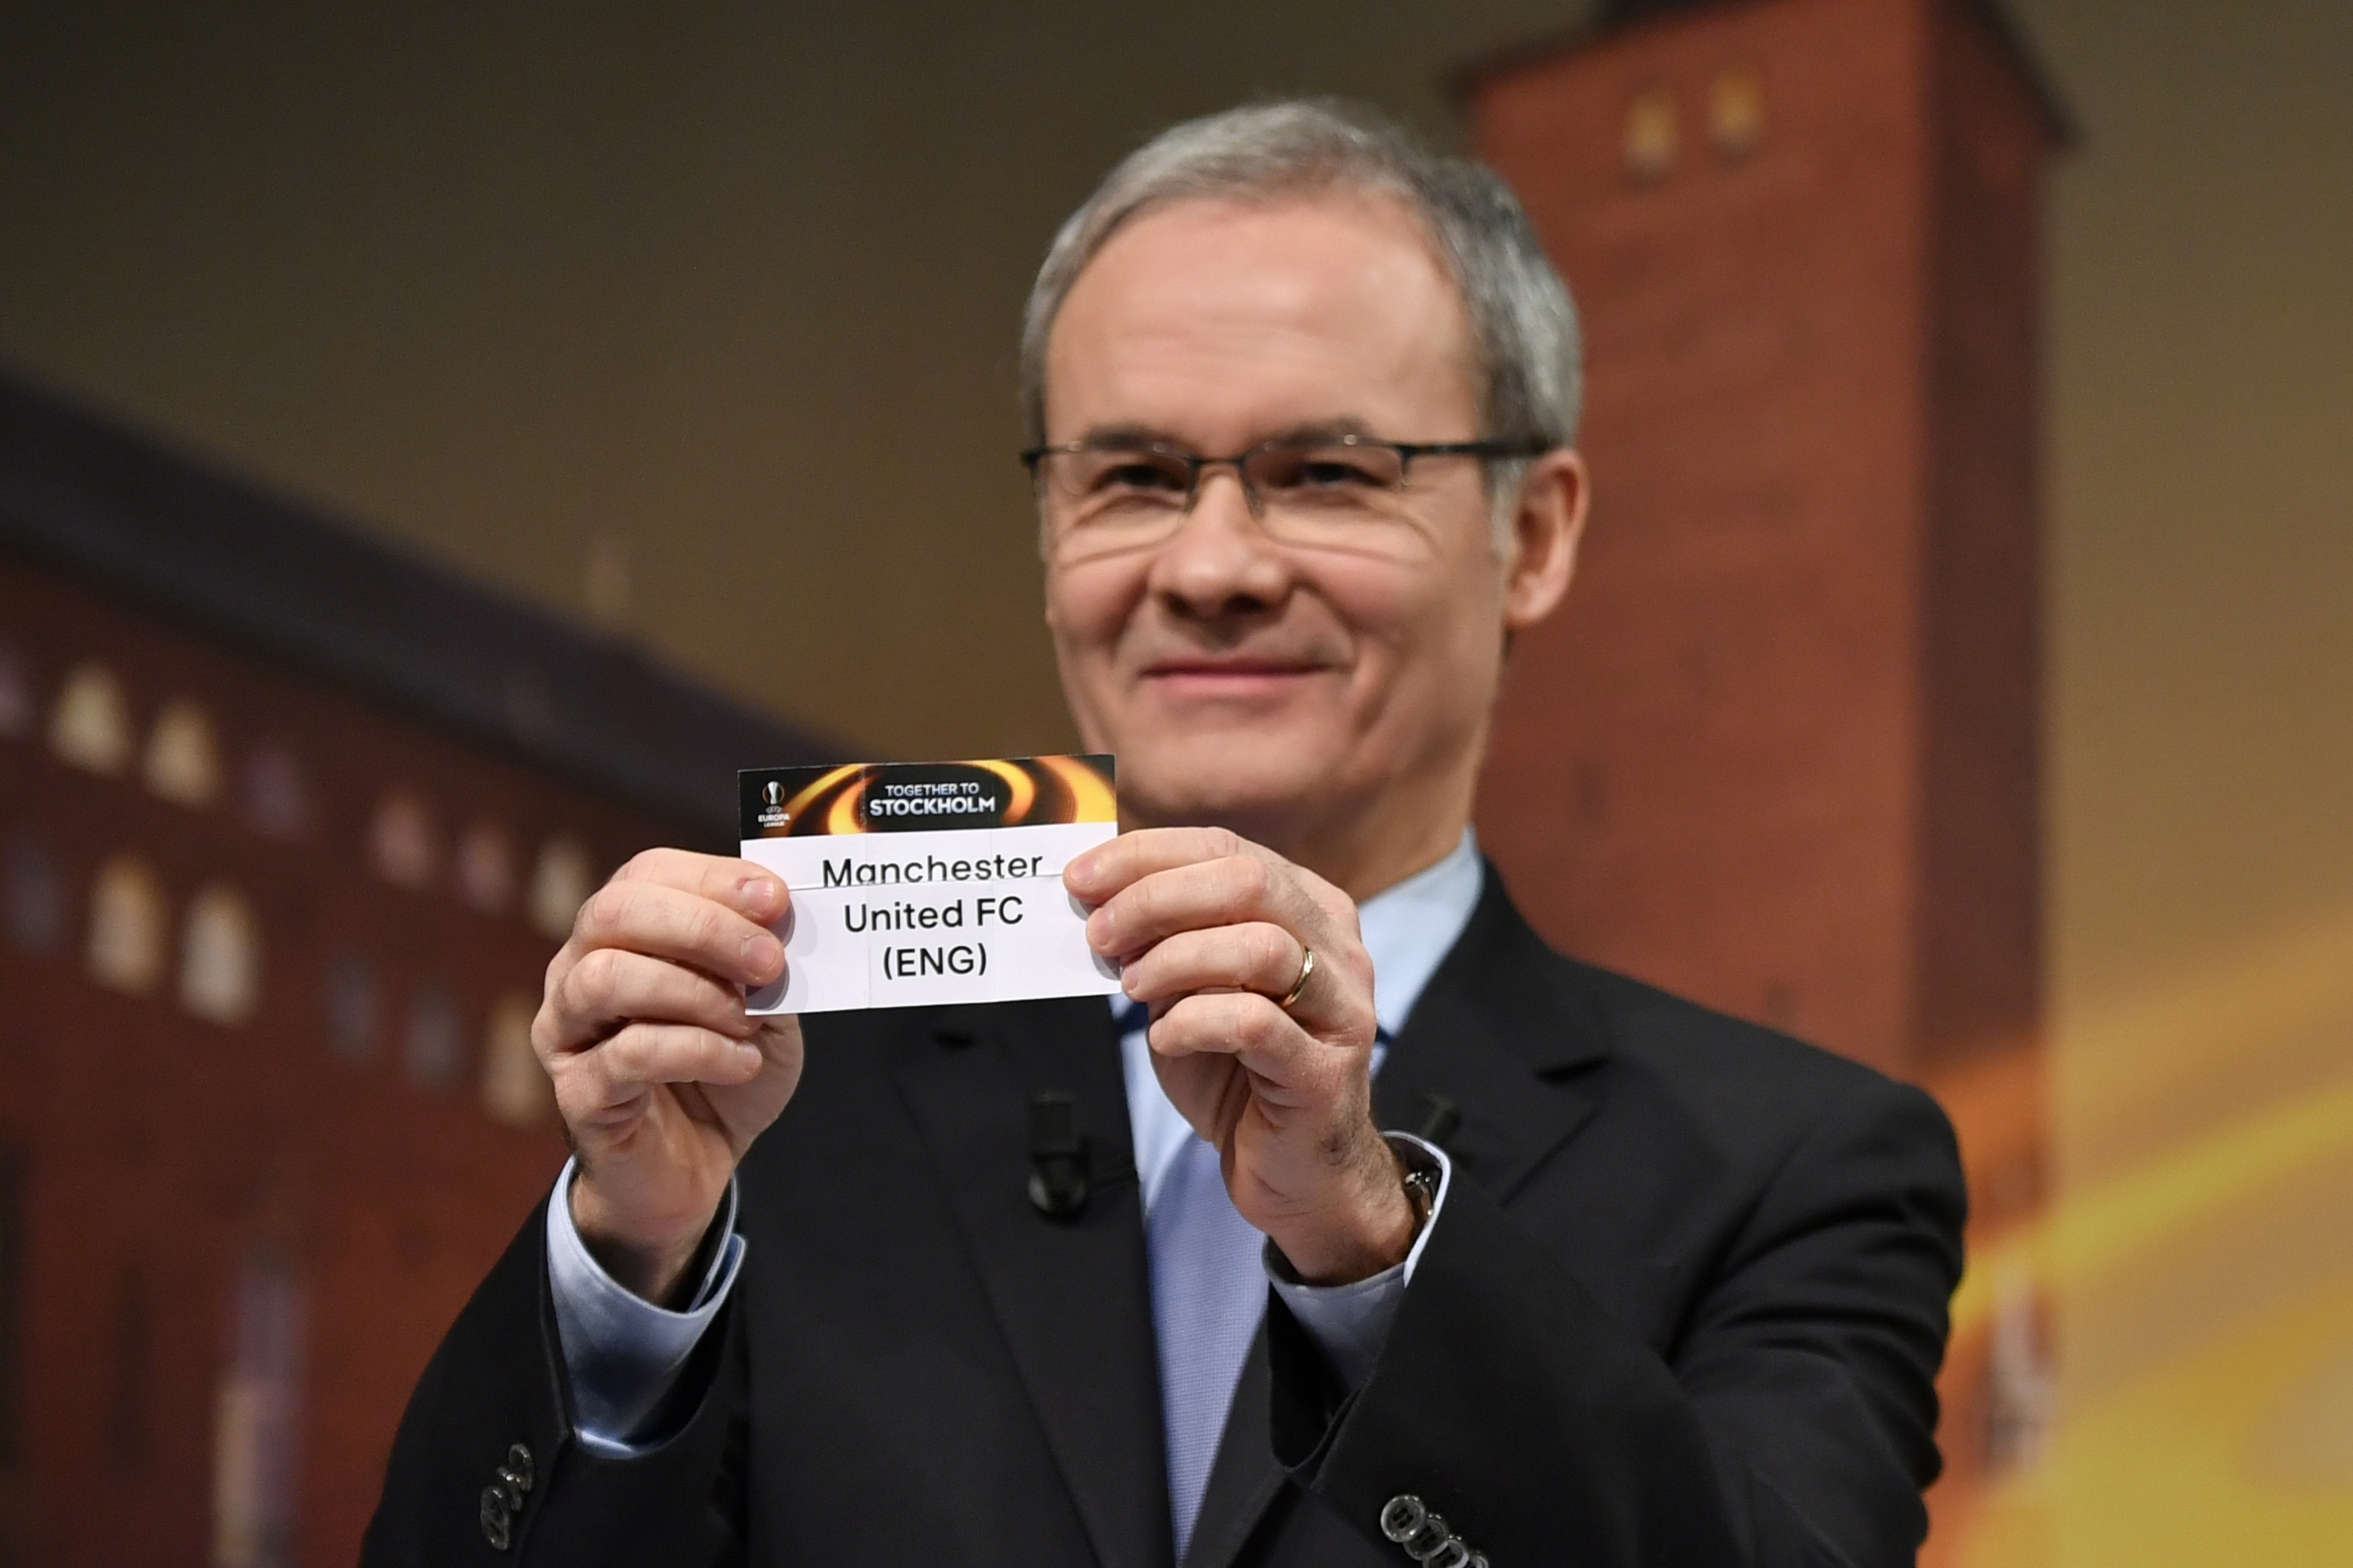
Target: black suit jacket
x: 1684, y: 1306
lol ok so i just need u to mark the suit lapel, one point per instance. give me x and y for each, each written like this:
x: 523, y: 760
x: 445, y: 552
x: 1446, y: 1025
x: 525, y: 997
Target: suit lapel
x: 1072, y: 1296
x: 1495, y: 1035
x: 1494, y: 1039
x: 1498, y: 1038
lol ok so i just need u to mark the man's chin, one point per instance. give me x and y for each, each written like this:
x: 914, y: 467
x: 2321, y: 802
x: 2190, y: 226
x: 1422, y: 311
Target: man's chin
x: 1252, y: 791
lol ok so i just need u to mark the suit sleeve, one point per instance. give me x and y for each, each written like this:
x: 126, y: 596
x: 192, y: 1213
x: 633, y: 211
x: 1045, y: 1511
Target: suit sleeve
x: 1791, y: 1420
x: 496, y: 1383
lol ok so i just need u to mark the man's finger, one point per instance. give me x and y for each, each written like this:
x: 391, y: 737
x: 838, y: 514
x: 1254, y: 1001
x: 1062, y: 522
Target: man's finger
x: 609, y: 987
x: 1230, y: 891
x: 640, y: 916
x: 1105, y: 869
x: 1263, y: 959
x: 1287, y: 1065
x: 617, y: 1072
x: 750, y: 890
x: 1253, y: 956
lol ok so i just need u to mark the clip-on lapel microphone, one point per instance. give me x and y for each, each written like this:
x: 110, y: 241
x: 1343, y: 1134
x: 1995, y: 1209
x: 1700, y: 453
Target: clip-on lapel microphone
x: 1059, y: 1186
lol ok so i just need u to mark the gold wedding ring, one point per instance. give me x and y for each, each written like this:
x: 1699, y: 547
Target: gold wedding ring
x: 1306, y: 968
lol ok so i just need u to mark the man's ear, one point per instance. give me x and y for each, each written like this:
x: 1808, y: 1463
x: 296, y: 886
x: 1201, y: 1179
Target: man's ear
x: 1546, y: 527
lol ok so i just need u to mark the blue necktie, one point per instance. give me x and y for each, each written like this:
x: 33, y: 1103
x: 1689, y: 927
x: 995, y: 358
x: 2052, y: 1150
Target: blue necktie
x: 1208, y: 1292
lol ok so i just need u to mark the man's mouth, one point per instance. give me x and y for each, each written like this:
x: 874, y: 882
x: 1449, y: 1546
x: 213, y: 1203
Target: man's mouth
x: 1241, y: 675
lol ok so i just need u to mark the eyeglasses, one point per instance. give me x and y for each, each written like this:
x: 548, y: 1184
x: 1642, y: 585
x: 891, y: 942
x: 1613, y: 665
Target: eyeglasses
x: 1102, y: 497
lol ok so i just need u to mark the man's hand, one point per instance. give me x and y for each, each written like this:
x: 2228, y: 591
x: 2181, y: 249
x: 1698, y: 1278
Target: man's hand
x: 662, y: 1078
x: 1213, y: 931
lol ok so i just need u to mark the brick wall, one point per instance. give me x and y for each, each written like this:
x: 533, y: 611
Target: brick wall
x: 336, y: 1138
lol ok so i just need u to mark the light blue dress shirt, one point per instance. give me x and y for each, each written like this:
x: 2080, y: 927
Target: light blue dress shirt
x: 623, y: 1353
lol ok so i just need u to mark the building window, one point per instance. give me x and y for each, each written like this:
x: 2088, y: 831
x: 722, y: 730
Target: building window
x: 276, y: 795
x: 515, y: 1090
x: 486, y: 875
x: 435, y: 1047
x: 403, y: 842
x: 257, y: 1421
x: 126, y: 926
x: 220, y: 956
x: 91, y: 726
x: 1651, y: 135
x: 352, y: 1020
x: 15, y: 698
x: 560, y: 884
x: 183, y: 760
x: 2017, y: 1375
x: 37, y: 897
x: 1735, y: 110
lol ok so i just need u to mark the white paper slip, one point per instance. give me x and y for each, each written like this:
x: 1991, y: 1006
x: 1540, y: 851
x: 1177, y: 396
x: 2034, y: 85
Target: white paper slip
x: 916, y: 883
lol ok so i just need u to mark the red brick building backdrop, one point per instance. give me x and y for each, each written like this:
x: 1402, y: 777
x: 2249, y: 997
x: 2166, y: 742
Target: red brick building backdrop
x: 290, y: 822
x: 291, y: 826
x: 1779, y: 751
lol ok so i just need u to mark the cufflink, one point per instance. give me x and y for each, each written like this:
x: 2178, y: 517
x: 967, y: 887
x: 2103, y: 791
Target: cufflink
x: 1420, y: 1185
x: 1424, y: 1537
x: 502, y: 1498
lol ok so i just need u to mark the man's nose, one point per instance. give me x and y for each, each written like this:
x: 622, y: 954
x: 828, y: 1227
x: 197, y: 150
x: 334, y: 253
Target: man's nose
x: 1213, y: 469
x: 1221, y: 558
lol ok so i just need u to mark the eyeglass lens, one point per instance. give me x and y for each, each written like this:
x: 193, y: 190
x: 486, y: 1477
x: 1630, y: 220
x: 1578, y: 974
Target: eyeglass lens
x: 1099, y: 500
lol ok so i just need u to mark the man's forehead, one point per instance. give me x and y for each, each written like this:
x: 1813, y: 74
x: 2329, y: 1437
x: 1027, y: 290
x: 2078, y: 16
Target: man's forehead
x: 1315, y: 308
x: 1289, y: 252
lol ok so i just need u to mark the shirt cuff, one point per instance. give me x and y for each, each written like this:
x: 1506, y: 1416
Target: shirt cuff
x: 1351, y: 1322
x: 621, y: 1352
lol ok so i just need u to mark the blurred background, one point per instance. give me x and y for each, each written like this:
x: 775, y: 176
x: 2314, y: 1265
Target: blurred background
x: 685, y: 336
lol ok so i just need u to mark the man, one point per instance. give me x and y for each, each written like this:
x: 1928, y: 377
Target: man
x: 1650, y: 1287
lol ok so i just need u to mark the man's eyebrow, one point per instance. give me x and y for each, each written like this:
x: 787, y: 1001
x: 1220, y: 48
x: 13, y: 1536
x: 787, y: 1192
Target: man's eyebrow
x: 1124, y: 435
x: 1319, y: 430
x: 1131, y: 434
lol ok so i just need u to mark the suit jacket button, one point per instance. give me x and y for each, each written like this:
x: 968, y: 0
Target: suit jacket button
x: 518, y: 1465
x: 498, y: 1524
x: 1403, y: 1516
x: 513, y: 1481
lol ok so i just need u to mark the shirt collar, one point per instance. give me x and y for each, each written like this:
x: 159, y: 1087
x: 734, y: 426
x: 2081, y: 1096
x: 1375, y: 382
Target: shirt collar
x: 1409, y: 928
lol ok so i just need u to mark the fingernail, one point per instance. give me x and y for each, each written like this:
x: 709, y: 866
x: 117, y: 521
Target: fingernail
x: 750, y: 1055
x: 1099, y: 930
x: 759, y: 892
x: 762, y: 953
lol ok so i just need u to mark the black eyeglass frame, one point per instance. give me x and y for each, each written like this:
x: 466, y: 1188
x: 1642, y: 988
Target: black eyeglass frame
x: 1492, y: 449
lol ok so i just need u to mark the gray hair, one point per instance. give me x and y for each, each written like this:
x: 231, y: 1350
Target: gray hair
x: 1527, y: 358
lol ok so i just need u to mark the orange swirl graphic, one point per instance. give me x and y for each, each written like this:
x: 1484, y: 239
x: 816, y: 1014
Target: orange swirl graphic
x: 1092, y: 800
x: 818, y: 787
x: 845, y: 817
x: 1024, y: 789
